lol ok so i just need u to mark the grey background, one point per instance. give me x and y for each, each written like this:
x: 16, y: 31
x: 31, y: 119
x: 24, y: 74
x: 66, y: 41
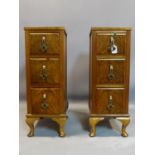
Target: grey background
x: 77, y: 16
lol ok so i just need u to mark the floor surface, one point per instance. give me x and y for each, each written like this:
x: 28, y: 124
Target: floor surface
x: 77, y: 142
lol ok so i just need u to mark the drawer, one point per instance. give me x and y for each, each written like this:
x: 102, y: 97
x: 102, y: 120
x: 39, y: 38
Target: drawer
x: 46, y: 101
x: 44, y: 43
x: 110, y: 42
x: 109, y: 102
x: 44, y: 72
x: 110, y: 72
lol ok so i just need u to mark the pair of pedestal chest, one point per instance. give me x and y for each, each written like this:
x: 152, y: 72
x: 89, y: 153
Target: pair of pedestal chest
x: 46, y: 70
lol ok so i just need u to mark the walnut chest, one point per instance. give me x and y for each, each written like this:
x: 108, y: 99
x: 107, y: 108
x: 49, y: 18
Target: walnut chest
x: 46, y: 75
x: 109, y: 76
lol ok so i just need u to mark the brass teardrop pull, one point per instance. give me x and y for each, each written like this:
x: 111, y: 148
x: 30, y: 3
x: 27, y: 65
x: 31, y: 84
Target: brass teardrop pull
x: 44, y: 104
x: 113, y: 47
x: 111, y: 75
x: 110, y: 105
x: 43, y: 73
x: 43, y: 46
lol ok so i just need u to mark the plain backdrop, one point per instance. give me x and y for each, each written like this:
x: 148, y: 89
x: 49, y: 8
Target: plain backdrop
x: 77, y: 16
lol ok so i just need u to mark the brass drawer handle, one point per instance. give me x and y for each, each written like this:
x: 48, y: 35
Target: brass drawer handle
x: 110, y: 105
x: 43, y: 73
x: 43, y: 45
x: 44, y: 104
x: 111, y: 75
x: 113, y: 47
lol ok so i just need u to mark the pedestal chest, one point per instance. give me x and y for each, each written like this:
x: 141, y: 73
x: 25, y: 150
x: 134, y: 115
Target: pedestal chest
x: 109, y: 76
x: 46, y: 75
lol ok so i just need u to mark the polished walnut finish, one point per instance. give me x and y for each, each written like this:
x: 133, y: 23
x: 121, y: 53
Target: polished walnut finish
x: 109, y: 76
x: 46, y: 75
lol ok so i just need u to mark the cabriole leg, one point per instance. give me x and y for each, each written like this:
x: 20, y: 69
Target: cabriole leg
x: 125, y: 122
x: 30, y: 123
x: 61, y: 122
x: 92, y: 123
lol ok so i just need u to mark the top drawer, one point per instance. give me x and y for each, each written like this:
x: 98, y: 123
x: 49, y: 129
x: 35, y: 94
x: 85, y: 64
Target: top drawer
x: 110, y: 42
x: 44, y: 43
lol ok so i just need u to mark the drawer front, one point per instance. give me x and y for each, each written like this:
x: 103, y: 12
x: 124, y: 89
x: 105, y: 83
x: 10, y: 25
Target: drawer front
x: 45, y: 73
x: 109, y: 102
x: 46, y: 101
x: 110, y: 72
x: 44, y: 43
x: 110, y: 43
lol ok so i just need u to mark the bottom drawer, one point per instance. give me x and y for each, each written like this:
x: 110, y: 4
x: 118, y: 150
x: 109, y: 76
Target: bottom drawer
x: 110, y: 102
x: 47, y: 101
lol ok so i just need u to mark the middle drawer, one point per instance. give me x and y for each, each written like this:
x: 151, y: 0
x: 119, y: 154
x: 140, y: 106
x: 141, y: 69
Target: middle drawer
x: 44, y: 72
x: 110, y: 72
